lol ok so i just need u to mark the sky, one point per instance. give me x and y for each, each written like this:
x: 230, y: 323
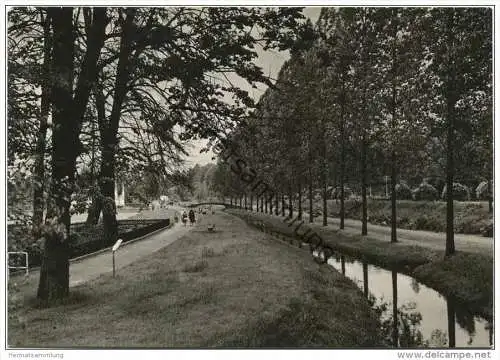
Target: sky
x: 271, y: 62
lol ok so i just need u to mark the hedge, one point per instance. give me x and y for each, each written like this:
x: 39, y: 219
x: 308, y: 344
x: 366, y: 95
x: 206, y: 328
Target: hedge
x: 460, y: 192
x: 403, y: 191
x: 425, y: 191
x: 80, y: 245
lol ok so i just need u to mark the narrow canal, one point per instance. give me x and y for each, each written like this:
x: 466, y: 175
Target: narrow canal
x: 426, y: 318
x: 423, y: 314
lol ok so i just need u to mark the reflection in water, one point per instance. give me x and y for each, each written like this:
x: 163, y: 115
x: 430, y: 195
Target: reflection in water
x: 365, y: 278
x: 489, y: 327
x: 401, y: 328
x: 425, y: 318
x: 395, y: 332
x: 465, y: 319
x: 451, y: 323
x: 415, y: 285
x: 421, y: 312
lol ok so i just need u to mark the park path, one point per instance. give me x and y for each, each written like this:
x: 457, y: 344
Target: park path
x: 89, y: 268
x: 432, y: 240
x: 93, y: 266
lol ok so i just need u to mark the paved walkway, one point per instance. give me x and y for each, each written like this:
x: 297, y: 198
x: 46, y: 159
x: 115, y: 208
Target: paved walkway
x: 433, y: 240
x: 92, y: 267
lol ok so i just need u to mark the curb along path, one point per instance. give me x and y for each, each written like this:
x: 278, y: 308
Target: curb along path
x: 92, y: 267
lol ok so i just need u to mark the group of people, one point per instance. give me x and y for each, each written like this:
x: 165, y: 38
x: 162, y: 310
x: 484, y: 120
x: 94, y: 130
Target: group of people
x: 191, y: 215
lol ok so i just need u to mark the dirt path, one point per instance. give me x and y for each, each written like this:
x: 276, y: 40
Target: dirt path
x: 432, y: 240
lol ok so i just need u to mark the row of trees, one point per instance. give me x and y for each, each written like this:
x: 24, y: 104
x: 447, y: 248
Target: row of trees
x: 103, y: 91
x: 375, y: 91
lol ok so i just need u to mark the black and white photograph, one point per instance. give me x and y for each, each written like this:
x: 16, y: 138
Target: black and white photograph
x: 256, y: 176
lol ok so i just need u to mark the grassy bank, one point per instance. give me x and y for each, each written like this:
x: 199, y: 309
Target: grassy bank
x: 230, y: 288
x: 466, y: 277
x: 470, y: 217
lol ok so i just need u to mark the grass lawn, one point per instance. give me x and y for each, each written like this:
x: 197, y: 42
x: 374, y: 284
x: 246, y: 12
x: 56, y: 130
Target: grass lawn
x: 464, y: 276
x: 235, y: 287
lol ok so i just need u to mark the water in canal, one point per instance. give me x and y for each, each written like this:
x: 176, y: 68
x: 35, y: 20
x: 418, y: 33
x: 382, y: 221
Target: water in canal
x: 425, y: 317
x: 435, y: 319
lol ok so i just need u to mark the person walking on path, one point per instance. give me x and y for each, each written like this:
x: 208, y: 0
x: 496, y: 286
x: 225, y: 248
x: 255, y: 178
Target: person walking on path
x: 184, y: 218
x: 192, y: 218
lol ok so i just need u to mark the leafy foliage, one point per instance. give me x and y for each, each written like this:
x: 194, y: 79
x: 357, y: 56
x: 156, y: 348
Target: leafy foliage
x: 403, y: 191
x: 460, y: 192
x: 482, y: 191
x: 425, y: 191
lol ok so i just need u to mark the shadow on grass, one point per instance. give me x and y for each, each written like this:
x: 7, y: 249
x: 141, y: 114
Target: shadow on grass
x: 198, y: 266
x: 302, y: 324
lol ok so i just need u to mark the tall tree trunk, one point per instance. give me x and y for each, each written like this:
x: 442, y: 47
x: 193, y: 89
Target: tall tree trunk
x: 270, y: 201
x: 393, y: 198
x: 342, y: 157
x: 290, y: 202
x: 450, y: 166
x: 265, y: 204
x: 299, y: 215
x: 54, y: 271
x: 394, y: 236
x: 39, y: 170
x: 325, y: 207
x: 490, y: 196
x: 96, y: 206
x: 283, y: 204
x: 325, y: 178
x: 364, y: 225
x: 262, y: 204
x: 107, y: 187
x: 276, y: 207
x: 95, y: 209
x: 311, y: 215
x: 246, y: 201
x: 310, y: 185
x: 110, y: 141
x: 251, y: 202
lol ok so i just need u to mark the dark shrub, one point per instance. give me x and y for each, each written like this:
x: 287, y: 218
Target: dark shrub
x: 427, y: 223
x: 403, y: 191
x: 425, y: 191
x: 482, y: 192
x: 487, y: 230
x: 335, y: 193
x: 460, y: 192
x: 438, y: 183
